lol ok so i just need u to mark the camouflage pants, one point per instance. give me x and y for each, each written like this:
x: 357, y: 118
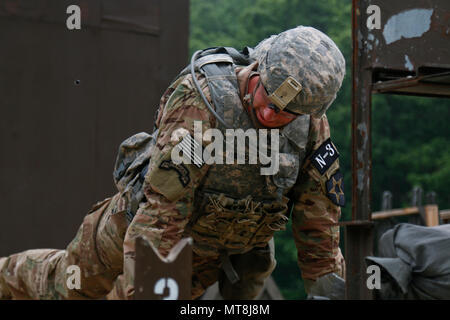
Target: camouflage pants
x: 98, y: 250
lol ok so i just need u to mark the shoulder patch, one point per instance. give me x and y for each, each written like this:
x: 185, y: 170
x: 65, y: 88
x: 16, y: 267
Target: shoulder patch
x: 183, y: 172
x: 335, y: 189
x: 324, y: 156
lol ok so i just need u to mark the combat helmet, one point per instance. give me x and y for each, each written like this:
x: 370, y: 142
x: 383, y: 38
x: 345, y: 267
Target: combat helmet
x: 302, y: 70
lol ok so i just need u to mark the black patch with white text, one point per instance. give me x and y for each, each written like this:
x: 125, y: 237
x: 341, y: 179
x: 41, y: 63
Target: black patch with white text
x: 324, y: 156
x: 335, y: 189
x: 183, y: 172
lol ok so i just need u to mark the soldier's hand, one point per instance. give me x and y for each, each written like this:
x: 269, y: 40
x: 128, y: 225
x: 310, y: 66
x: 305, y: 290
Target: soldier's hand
x: 330, y: 286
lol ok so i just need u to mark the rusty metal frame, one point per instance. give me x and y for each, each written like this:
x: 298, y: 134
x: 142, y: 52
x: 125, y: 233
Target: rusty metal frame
x: 397, y: 65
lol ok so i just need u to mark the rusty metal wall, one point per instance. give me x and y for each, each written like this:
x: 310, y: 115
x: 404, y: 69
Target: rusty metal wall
x: 408, y: 54
x: 67, y: 100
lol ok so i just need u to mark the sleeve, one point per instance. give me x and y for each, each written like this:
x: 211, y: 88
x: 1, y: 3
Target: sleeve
x: 169, y: 186
x: 184, y: 118
x: 318, y: 197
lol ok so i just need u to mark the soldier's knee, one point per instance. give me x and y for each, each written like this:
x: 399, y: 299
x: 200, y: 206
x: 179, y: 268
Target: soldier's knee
x: 99, y: 241
x: 110, y: 235
x: 4, y: 292
x: 97, y: 249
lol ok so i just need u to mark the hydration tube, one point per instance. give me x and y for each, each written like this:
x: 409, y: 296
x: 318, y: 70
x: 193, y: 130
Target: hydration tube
x: 197, y: 85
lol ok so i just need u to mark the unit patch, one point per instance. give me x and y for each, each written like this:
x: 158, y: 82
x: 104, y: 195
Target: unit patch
x: 183, y: 172
x: 335, y: 189
x: 324, y: 156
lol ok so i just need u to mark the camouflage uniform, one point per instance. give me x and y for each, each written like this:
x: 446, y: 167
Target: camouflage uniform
x: 166, y: 202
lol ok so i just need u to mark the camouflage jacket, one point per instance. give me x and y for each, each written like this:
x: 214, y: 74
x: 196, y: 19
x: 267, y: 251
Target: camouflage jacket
x: 167, y: 193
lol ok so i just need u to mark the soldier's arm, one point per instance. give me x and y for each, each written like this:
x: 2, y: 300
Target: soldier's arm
x: 169, y: 187
x: 317, y: 210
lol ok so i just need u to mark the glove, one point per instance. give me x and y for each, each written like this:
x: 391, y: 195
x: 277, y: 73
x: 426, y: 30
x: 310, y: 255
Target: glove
x: 330, y: 286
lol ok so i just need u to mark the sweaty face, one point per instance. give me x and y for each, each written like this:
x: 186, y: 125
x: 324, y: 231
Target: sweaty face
x: 267, y: 113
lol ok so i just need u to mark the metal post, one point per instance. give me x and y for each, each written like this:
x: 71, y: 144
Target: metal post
x: 359, y: 238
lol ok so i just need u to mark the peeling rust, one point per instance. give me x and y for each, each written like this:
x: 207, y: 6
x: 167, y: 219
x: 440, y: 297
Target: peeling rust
x: 407, y: 24
x: 388, y: 60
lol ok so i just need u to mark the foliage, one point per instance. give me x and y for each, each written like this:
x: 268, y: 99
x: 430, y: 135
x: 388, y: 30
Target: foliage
x: 410, y: 135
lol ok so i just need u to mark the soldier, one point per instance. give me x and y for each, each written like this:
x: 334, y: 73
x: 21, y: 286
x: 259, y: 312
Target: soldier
x: 230, y: 210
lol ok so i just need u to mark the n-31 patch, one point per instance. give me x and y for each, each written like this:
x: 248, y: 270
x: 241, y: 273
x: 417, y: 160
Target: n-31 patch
x: 324, y: 156
x: 335, y: 189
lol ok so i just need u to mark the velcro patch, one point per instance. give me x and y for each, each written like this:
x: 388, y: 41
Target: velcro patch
x: 324, y: 156
x: 335, y: 189
x: 183, y: 172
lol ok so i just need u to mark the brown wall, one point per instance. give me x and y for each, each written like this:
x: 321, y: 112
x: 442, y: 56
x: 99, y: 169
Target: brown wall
x: 58, y: 139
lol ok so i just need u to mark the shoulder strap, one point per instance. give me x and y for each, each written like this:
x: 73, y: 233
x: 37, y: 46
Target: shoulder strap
x: 220, y: 54
x: 218, y: 65
x: 239, y: 58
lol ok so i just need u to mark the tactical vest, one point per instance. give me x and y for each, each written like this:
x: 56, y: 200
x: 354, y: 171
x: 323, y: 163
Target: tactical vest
x: 237, y: 208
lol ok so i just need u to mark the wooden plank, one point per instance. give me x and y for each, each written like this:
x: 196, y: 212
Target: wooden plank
x: 445, y: 214
x: 394, y: 213
x: 431, y: 215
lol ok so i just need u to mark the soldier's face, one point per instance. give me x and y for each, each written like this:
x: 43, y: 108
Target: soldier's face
x: 267, y: 114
